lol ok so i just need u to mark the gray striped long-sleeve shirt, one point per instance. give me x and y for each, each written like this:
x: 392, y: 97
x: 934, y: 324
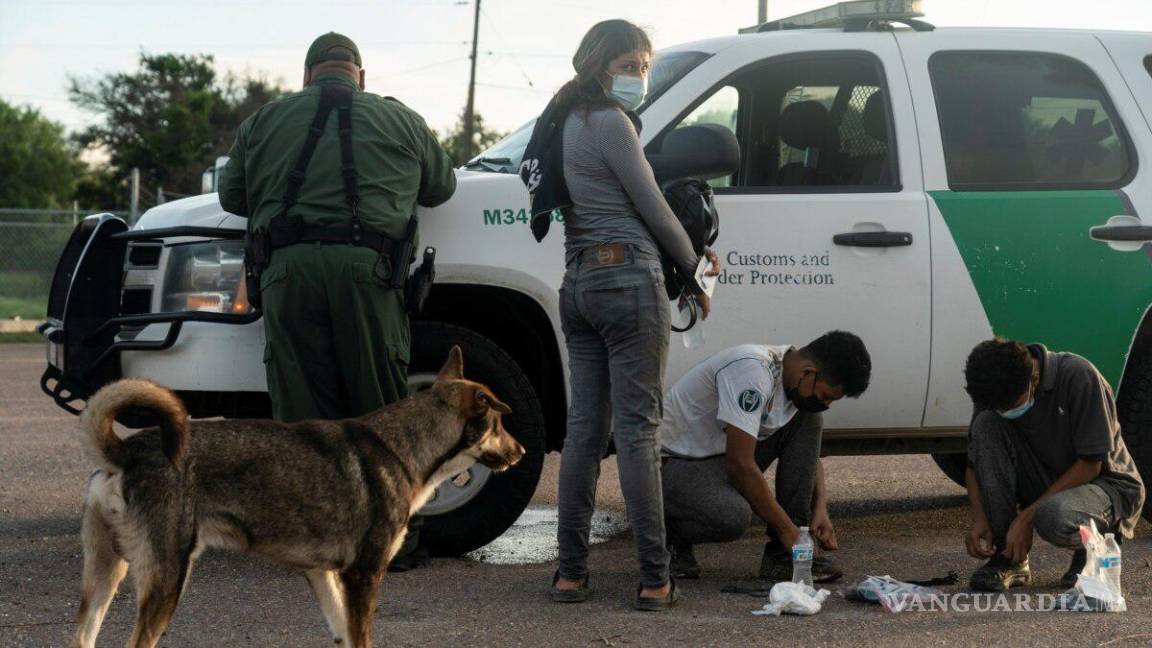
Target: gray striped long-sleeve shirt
x: 614, y: 193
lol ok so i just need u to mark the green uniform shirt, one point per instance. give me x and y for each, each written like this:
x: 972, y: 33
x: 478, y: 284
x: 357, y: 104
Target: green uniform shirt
x: 399, y: 163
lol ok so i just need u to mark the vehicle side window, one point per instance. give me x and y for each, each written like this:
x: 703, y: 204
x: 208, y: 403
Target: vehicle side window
x: 1026, y: 120
x: 808, y: 123
x: 1148, y: 64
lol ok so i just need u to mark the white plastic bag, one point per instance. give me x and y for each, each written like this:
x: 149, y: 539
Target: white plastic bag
x: 793, y: 598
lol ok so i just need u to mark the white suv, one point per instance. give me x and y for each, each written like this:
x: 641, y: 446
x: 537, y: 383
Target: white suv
x: 924, y: 189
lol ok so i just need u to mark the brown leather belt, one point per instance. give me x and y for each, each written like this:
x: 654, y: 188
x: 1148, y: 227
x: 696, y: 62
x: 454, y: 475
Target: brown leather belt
x: 608, y: 254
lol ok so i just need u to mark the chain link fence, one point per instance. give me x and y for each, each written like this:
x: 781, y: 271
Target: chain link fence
x: 31, y: 241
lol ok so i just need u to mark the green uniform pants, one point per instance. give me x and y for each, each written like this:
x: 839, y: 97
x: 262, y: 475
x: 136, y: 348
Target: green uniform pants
x: 337, y: 334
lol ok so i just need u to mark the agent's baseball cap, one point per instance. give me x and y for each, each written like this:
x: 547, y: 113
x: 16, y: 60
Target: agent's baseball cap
x: 332, y: 47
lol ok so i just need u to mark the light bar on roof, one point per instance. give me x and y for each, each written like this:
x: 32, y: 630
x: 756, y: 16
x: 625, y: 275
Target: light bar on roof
x: 846, y: 13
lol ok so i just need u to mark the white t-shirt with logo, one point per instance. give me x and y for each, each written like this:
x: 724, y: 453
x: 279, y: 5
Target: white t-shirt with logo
x: 740, y: 386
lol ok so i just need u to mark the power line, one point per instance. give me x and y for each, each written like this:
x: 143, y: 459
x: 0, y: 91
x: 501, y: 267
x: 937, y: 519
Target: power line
x: 491, y: 23
x: 428, y: 66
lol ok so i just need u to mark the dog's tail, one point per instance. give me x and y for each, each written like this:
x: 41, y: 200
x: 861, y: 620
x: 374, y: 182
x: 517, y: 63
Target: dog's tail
x: 101, y: 441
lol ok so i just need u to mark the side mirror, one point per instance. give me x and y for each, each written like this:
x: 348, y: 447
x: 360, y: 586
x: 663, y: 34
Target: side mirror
x: 210, y: 179
x: 703, y: 151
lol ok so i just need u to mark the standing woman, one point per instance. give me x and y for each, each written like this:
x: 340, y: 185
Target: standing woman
x: 613, y: 306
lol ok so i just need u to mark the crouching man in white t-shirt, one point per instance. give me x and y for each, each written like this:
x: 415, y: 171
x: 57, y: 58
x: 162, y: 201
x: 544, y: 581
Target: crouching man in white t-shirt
x: 727, y: 420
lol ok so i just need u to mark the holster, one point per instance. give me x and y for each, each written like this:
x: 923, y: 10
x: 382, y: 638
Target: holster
x: 257, y: 253
x: 420, y: 283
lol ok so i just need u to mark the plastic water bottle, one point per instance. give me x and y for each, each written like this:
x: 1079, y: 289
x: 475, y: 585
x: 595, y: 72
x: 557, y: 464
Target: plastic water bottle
x: 1108, y: 565
x: 802, y: 558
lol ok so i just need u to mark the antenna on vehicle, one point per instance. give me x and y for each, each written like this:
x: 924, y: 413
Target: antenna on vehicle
x: 855, y: 15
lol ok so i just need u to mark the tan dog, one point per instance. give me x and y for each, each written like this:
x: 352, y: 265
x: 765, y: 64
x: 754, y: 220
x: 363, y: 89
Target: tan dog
x: 331, y: 498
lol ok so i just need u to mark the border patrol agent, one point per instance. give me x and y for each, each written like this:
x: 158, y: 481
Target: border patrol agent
x: 329, y: 178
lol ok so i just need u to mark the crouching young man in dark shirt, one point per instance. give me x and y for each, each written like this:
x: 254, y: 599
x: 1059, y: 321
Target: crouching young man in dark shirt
x: 1045, y: 454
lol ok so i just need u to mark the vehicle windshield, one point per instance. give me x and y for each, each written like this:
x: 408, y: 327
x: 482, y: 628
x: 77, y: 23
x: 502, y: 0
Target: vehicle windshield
x: 504, y: 156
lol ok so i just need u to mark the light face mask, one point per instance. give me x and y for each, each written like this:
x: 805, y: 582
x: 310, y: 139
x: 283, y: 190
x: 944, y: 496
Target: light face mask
x: 1017, y: 412
x: 628, y: 91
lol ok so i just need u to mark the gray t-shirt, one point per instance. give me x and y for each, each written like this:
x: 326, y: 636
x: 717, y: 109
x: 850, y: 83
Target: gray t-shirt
x: 614, y: 193
x: 1075, y: 417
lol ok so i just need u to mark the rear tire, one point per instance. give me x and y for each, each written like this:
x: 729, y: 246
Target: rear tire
x: 1134, y: 408
x: 954, y: 466
x: 504, y: 496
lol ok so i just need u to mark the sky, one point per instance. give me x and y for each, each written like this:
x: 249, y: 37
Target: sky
x: 415, y: 50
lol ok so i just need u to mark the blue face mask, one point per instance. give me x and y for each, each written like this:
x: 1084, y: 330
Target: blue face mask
x: 628, y: 91
x: 1017, y: 412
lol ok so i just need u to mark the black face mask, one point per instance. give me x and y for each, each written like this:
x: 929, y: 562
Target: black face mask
x: 807, y: 404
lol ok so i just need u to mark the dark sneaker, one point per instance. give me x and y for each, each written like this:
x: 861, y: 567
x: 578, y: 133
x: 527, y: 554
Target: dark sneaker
x: 776, y: 565
x: 1079, y: 560
x: 999, y: 574
x: 683, y: 564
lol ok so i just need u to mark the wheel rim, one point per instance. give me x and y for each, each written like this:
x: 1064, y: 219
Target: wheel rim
x: 461, y: 488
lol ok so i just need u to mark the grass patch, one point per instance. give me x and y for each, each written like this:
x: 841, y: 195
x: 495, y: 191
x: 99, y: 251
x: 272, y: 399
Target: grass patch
x: 14, y: 338
x: 32, y: 308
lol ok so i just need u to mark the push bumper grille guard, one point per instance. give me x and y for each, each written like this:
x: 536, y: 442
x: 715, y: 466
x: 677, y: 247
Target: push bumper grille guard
x: 84, y: 308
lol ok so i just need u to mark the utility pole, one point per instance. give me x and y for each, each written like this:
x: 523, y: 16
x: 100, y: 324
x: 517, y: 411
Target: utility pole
x: 134, y: 197
x: 762, y: 12
x: 466, y: 135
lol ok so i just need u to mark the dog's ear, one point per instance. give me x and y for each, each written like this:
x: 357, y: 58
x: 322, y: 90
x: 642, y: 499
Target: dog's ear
x: 478, y: 400
x: 487, y: 399
x: 453, y: 368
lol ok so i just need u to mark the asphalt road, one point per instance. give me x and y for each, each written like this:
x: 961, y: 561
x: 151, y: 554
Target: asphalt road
x: 895, y: 515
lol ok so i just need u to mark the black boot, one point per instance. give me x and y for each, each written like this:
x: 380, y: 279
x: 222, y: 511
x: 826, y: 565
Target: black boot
x: 683, y: 564
x: 999, y: 574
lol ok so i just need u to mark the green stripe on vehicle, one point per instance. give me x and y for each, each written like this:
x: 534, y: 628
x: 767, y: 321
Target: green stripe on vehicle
x: 1041, y: 278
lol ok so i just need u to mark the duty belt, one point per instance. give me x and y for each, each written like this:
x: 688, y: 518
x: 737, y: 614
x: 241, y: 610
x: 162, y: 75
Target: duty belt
x: 281, y: 237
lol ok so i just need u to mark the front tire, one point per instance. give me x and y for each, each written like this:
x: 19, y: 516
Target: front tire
x: 475, y: 517
x: 1134, y: 408
x: 954, y: 466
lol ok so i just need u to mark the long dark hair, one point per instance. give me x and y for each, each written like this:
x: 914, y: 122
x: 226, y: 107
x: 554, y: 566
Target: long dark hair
x: 603, y: 43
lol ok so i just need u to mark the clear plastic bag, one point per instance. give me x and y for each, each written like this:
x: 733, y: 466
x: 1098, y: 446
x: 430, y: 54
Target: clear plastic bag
x: 1098, y: 585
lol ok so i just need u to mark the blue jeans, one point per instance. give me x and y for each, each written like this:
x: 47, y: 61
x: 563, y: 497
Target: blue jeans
x: 616, y: 323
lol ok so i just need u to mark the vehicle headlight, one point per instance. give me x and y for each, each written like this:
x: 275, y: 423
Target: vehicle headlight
x: 206, y: 276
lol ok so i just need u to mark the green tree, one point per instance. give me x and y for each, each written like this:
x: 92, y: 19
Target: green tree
x: 38, y: 167
x: 482, y: 138
x: 170, y: 118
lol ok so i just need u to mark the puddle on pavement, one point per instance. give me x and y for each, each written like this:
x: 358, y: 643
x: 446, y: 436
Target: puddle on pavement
x: 532, y: 538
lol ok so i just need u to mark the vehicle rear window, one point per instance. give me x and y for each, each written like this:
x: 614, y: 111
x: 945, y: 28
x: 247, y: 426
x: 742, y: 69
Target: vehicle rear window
x: 1027, y: 120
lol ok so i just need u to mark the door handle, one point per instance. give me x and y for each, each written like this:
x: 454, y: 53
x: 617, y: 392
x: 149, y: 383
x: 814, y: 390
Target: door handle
x: 1138, y: 233
x: 873, y: 239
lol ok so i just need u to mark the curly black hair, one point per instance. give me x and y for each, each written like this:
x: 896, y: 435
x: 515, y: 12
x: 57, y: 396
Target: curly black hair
x: 842, y: 361
x: 997, y: 373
